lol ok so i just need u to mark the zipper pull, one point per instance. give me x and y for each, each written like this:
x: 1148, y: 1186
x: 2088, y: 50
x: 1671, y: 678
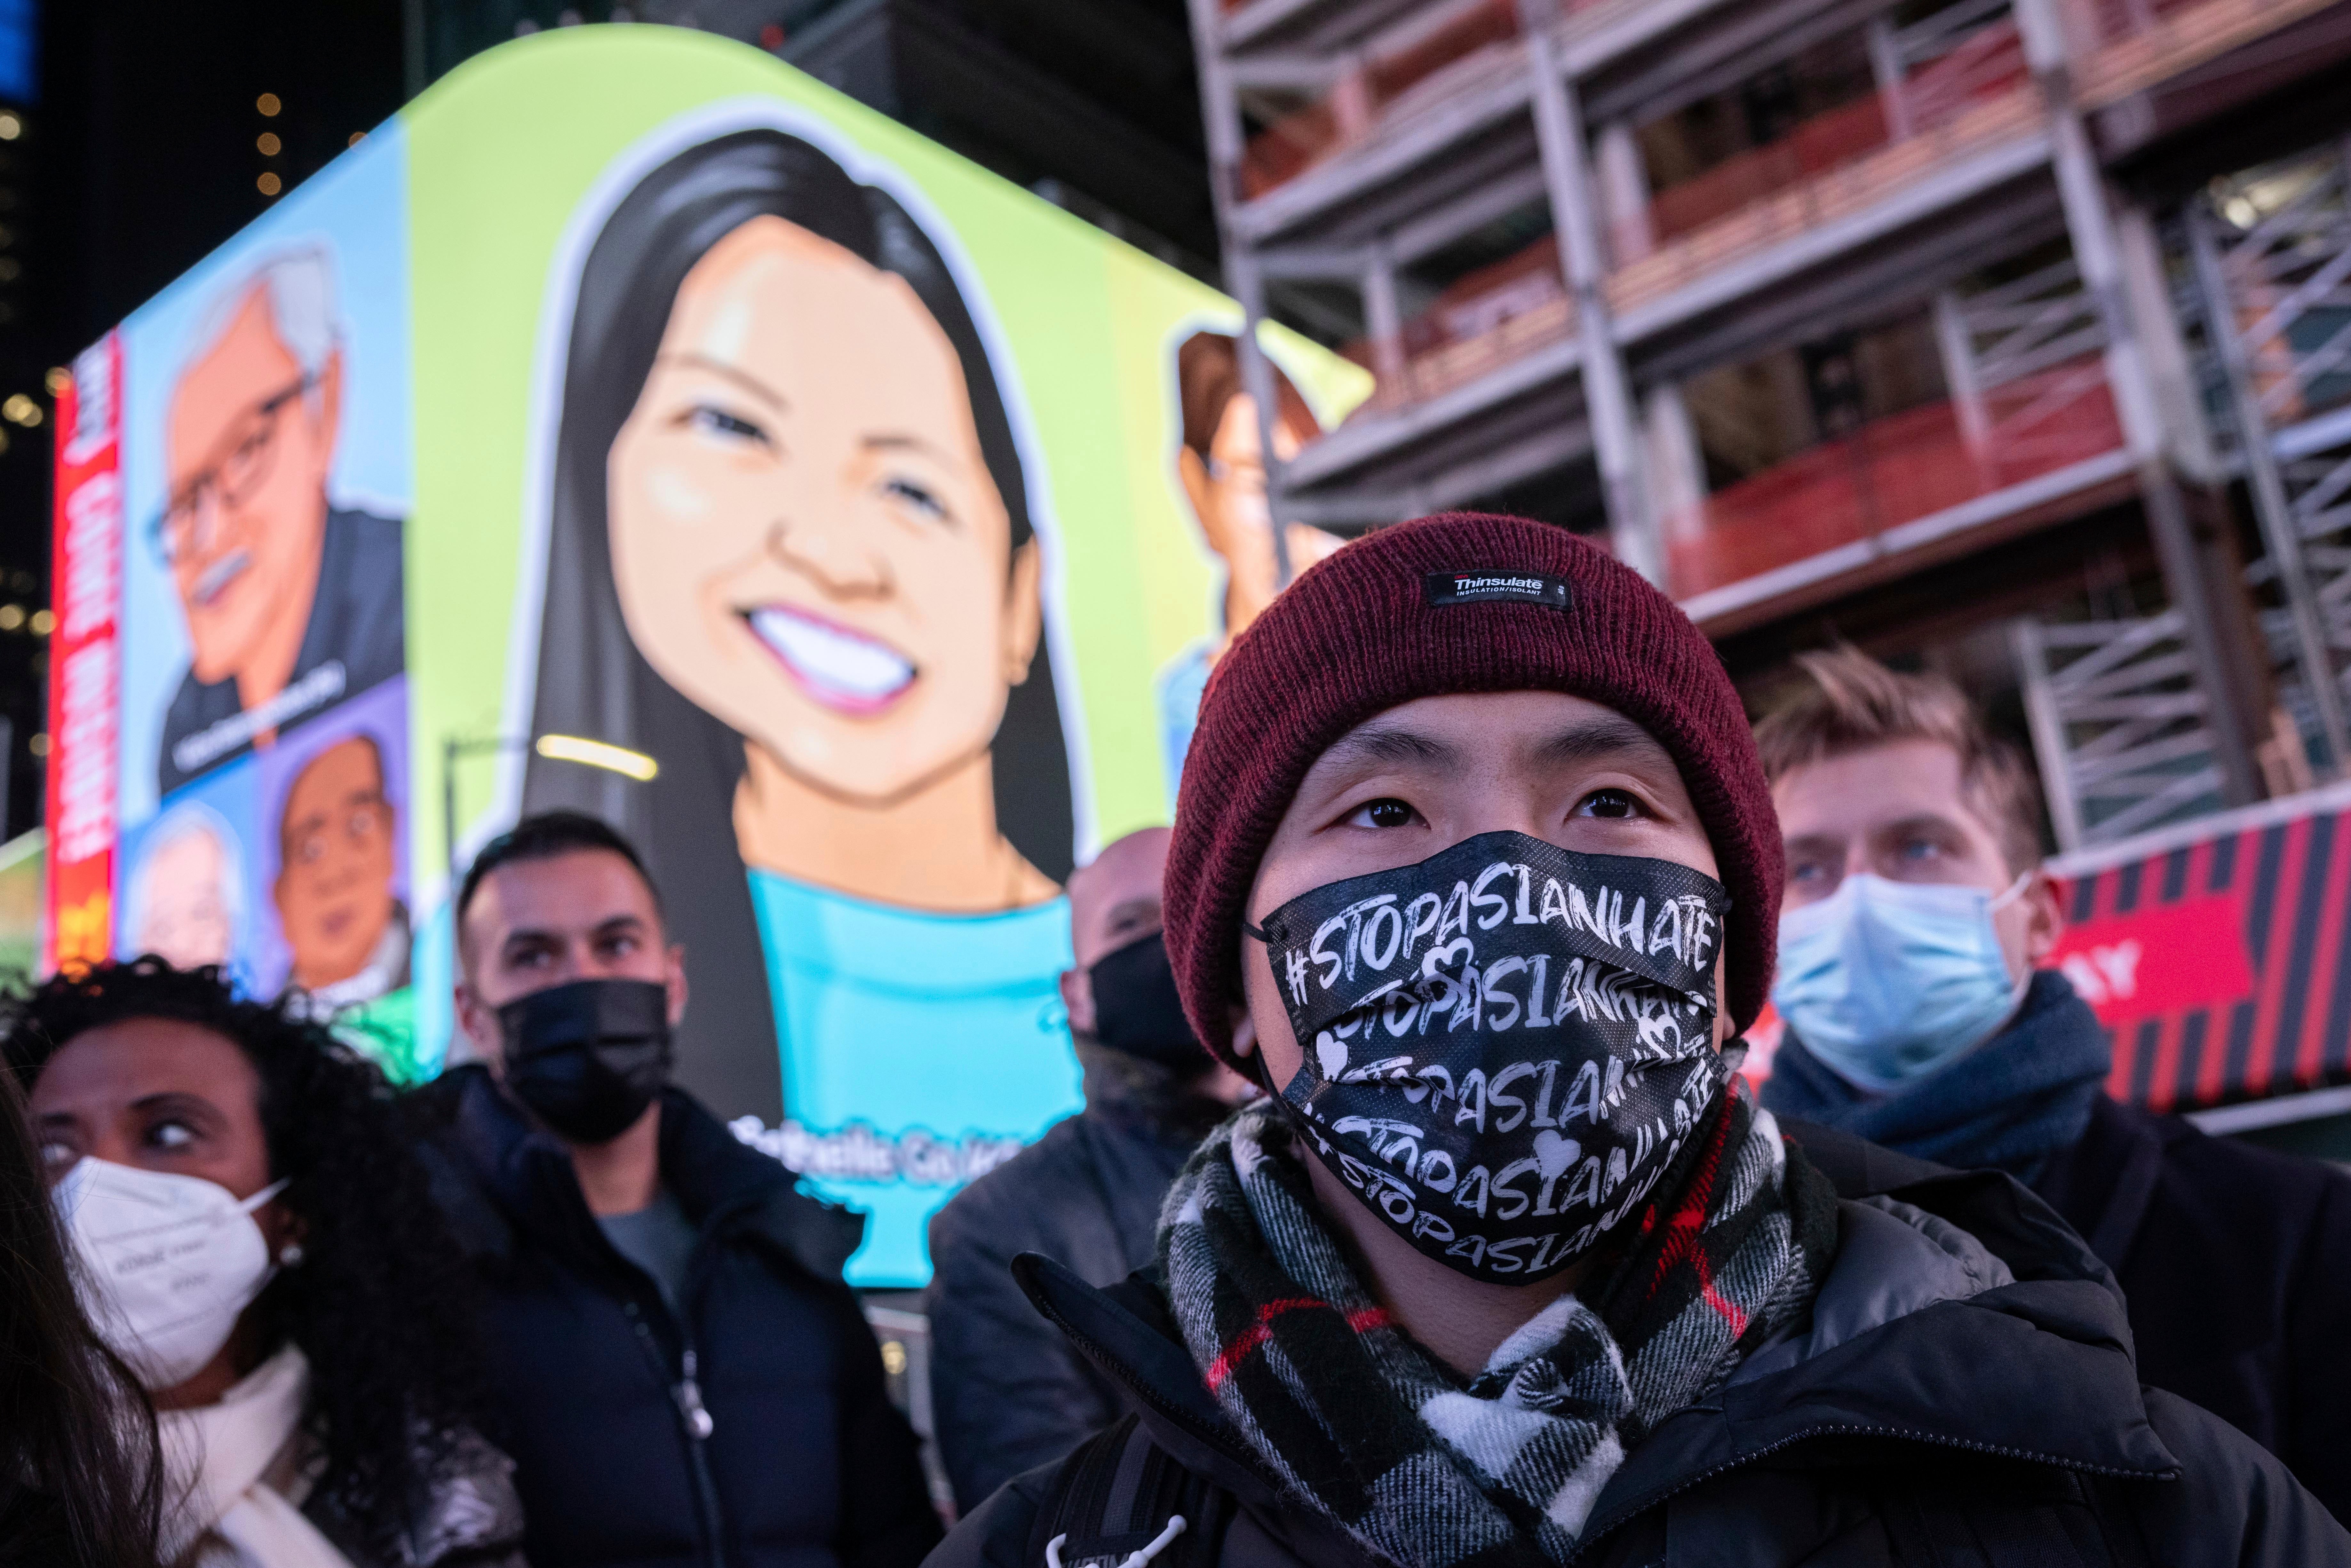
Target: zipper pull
x: 689, y: 1403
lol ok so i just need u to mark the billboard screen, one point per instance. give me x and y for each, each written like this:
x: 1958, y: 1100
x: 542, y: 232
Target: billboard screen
x: 632, y: 388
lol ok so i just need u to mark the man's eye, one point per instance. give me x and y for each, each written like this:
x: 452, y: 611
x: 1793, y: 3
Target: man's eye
x: 1385, y: 812
x: 1607, y: 803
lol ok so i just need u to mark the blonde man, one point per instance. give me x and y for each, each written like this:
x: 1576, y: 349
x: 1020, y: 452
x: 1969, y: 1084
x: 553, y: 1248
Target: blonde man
x: 1917, y: 914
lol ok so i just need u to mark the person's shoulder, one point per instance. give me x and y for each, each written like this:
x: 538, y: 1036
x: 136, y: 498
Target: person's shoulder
x: 194, y: 705
x: 2234, y: 1502
x: 1008, y: 1202
x: 764, y: 1202
x: 368, y: 532
x: 996, y: 1534
x: 2234, y: 1171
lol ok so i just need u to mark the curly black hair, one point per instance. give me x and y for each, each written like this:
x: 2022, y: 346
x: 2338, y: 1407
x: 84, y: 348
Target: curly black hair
x: 379, y: 1305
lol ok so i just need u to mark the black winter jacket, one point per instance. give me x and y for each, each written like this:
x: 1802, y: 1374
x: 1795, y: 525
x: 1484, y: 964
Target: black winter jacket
x: 1962, y: 1393
x: 755, y: 1434
x: 1008, y: 1392
x: 2237, y: 1263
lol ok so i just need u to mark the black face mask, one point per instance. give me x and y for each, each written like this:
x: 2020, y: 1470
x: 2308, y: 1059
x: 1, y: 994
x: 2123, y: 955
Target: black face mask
x: 1138, y: 1011
x: 587, y: 1058
x: 1505, y: 1045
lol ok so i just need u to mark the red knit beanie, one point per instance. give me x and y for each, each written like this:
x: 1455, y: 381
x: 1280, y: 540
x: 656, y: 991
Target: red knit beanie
x: 1384, y: 621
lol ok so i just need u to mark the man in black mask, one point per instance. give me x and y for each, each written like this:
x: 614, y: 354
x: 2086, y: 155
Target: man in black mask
x: 1007, y: 1391
x: 682, y: 1372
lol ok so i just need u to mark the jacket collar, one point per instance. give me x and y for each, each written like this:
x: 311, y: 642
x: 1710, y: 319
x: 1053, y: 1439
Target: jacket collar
x: 1959, y: 1313
x: 723, y: 1186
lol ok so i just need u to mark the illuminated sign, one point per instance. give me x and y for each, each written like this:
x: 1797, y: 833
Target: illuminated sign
x: 635, y: 424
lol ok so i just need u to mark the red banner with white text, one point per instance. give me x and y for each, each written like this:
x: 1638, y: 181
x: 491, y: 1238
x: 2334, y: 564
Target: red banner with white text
x: 2218, y: 953
x: 84, y: 658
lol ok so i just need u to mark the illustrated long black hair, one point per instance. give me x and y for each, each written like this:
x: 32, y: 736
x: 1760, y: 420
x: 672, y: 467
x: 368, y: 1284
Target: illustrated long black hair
x: 593, y: 681
x: 80, y: 1471
x: 379, y: 1303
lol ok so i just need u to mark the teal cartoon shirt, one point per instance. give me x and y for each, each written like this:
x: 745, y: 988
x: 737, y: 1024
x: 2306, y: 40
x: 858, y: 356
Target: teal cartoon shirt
x: 919, y: 1051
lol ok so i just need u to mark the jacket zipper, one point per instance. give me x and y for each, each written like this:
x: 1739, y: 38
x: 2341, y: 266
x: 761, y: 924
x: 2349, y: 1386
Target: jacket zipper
x: 695, y: 1420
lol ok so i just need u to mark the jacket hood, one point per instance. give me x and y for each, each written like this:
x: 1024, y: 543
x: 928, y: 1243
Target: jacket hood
x: 723, y: 1185
x: 1960, y: 1311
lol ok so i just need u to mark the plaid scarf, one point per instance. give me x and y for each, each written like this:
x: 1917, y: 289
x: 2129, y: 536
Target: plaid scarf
x: 1362, y: 1425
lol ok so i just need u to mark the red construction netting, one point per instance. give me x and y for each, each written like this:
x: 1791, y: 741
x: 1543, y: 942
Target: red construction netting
x: 2097, y: 22
x: 1483, y: 320
x: 1374, y: 88
x: 1892, y: 471
x: 1986, y: 65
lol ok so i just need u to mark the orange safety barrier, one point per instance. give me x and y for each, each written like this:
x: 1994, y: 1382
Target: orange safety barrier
x: 1892, y: 471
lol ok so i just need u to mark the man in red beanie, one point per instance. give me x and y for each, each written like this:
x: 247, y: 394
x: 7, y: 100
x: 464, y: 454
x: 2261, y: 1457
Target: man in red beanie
x: 1474, y: 869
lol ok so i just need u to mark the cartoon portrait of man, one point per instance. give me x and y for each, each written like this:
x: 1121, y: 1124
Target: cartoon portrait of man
x: 1221, y: 464
x: 291, y: 602
x: 346, y: 929
x: 187, y: 894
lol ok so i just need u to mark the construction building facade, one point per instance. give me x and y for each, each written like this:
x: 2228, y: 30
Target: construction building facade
x: 2013, y: 335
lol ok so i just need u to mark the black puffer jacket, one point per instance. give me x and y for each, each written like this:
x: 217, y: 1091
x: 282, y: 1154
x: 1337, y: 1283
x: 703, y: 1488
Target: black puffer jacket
x: 1009, y: 1392
x: 1958, y: 1396
x: 801, y: 1461
x: 2237, y: 1262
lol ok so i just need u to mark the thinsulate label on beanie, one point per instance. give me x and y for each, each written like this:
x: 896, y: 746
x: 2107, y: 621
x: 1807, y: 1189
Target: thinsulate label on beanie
x: 1495, y: 586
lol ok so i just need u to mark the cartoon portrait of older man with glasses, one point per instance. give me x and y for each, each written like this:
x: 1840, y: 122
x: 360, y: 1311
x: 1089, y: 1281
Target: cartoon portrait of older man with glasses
x: 292, y: 602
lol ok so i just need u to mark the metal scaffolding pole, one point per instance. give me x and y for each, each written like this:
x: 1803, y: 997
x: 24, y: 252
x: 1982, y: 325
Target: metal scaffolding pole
x: 1222, y: 124
x: 2089, y: 224
x: 2279, y: 533
x: 1607, y: 391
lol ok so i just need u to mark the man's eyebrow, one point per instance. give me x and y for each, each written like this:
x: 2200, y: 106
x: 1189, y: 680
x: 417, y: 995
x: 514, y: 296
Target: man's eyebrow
x: 1127, y: 908
x: 1605, y: 737
x: 734, y: 373
x: 1391, y: 743
x: 1918, y: 819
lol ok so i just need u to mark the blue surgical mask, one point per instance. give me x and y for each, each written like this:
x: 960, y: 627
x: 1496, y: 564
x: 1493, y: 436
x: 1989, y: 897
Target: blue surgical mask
x: 1887, y: 981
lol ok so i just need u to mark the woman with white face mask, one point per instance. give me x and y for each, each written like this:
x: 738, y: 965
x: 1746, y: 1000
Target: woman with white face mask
x: 256, y: 1243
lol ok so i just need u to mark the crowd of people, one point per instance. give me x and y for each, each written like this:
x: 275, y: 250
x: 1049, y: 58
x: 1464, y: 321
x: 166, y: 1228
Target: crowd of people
x: 1419, y: 1213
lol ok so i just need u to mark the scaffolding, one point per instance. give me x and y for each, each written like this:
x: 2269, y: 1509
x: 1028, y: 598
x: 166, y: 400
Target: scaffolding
x: 1556, y: 252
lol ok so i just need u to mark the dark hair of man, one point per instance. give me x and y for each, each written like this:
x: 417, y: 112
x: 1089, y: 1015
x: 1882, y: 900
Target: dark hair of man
x: 593, y: 679
x: 80, y: 1469
x: 542, y: 836
x: 378, y: 1303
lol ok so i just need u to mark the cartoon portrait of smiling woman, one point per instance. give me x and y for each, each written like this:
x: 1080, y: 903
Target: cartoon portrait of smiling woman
x: 789, y: 553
